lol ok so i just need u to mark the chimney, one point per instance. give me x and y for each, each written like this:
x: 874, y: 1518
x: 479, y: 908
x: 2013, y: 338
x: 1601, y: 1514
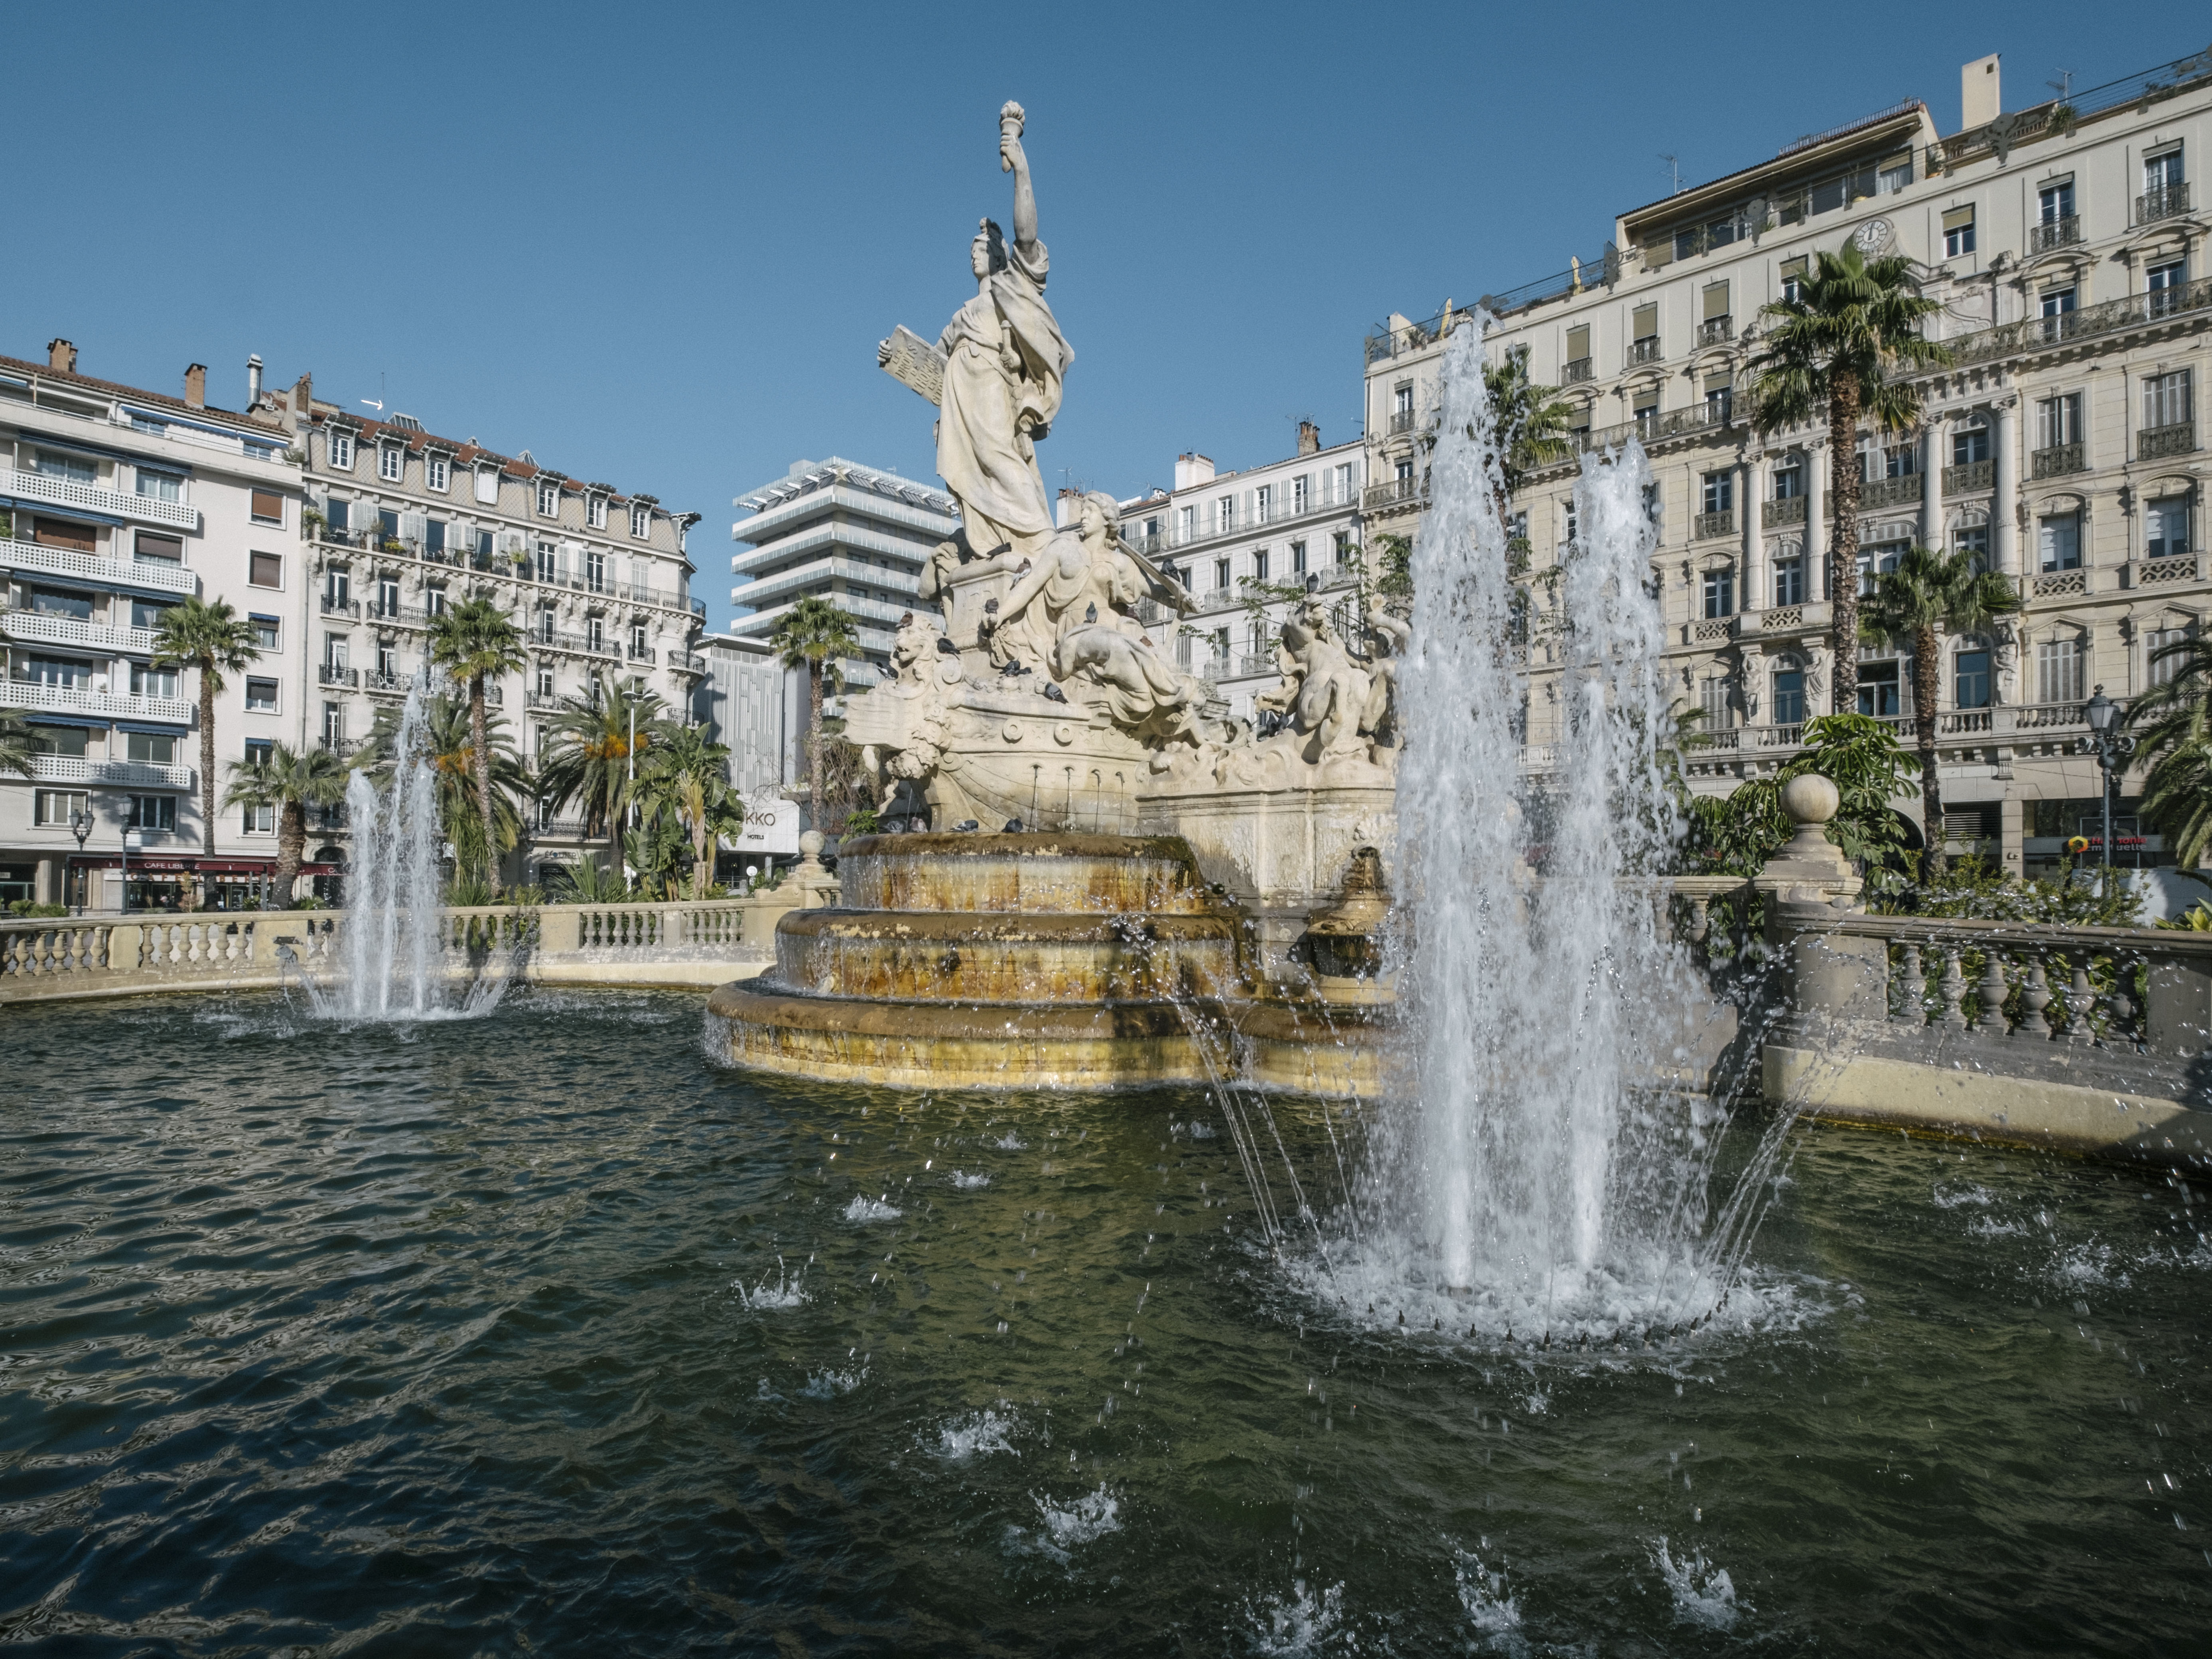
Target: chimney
x: 1309, y: 437
x: 1193, y: 468
x: 253, y: 381
x: 61, y: 356
x: 195, y: 385
x: 1980, y: 101
x: 303, y: 394
x: 1063, y: 510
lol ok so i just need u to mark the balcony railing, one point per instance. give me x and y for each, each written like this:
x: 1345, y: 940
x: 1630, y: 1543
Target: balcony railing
x: 2164, y: 202
x: 391, y: 684
x: 1401, y: 420
x: 2180, y: 568
x: 2114, y: 316
x: 1645, y: 350
x: 130, y: 774
x: 1788, y: 511
x: 68, y: 699
x: 2058, y: 460
x: 1652, y: 428
x: 69, y: 630
x: 332, y: 674
x: 2155, y: 442
x: 686, y: 662
x: 1395, y: 492
x: 541, y: 700
x: 153, y: 577
x: 2054, y: 233
x: 1969, y: 477
x: 1578, y: 370
x: 334, y: 606
x: 91, y: 498
x: 1716, y: 331
x: 1722, y: 523
x: 1889, y: 492
x: 2054, y: 584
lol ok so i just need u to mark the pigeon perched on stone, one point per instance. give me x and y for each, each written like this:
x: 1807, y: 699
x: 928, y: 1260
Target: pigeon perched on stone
x: 946, y: 644
x: 1054, y: 693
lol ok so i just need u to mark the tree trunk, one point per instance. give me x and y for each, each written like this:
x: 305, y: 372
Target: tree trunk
x: 207, y: 776
x: 1925, y: 662
x: 814, y: 790
x: 703, y: 860
x: 481, y: 740
x: 291, y: 849
x: 1844, y: 542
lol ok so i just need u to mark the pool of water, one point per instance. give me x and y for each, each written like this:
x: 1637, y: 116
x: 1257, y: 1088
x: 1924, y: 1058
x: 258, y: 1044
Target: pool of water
x: 541, y: 1333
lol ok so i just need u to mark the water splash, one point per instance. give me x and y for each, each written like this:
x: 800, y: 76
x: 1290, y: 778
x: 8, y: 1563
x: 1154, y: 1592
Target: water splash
x: 1704, y: 1593
x: 1300, y: 1624
x: 978, y: 1434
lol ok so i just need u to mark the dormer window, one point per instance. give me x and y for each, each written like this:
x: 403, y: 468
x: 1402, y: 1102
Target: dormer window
x: 391, y: 463
x: 640, y: 522
x: 488, y: 486
x: 595, y: 511
x: 340, y: 448
x: 438, y: 472
x: 548, y: 498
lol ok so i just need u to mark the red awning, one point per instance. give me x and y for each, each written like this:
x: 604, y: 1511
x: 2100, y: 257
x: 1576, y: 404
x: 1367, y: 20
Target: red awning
x: 169, y: 867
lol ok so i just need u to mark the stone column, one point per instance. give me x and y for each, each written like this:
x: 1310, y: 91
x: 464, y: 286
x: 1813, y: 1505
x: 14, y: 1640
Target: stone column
x: 1816, y: 519
x: 1931, y: 485
x: 1751, y: 490
x: 2004, y: 507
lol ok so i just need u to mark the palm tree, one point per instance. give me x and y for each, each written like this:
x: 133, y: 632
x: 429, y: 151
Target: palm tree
x: 291, y: 782
x: 588, y: 749
x: 448, y: 731
x: 1929, y: 593
x: 217, y: 641
x: 689, y: 774
x: 1841, y: 344
x: 477, y: 641
x: 1530, y: 421
x: 813, y: 633
x: 2176, y: 741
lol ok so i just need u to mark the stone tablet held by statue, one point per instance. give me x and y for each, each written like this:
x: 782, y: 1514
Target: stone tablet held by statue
x: 914, y: 362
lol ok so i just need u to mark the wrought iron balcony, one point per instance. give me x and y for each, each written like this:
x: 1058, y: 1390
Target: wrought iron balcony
x: 390, y: 684
x: 1716, y: 331
x: 334, y: 606
x: 1580, y: 369
x: 1970, y: 476
x: 1645, y: 350
x: 332, y: 674
x: 1889, y: 492
x: 2113, y: 317
x: 1787, y: 510
x: 2164, y: 202
x: 2058, y: 460
x: 1712, y: 416
x: 2061, y: 232
x: 1395, y: 492
x: 1401, y: 420
x: 1722, y: 523
x: 2155, y: 442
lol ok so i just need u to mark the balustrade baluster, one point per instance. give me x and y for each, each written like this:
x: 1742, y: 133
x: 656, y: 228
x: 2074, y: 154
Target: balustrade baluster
x: 1994, y: 990
x: 1952, y: 987
x: 2120, y: 1031
x: 2080, y: 994
x: 2035, y: 1001
x: 1912, y: 1005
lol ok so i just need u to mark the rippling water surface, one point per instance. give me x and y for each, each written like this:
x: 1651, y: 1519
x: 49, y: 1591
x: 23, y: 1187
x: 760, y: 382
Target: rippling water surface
x: 542, y: 1334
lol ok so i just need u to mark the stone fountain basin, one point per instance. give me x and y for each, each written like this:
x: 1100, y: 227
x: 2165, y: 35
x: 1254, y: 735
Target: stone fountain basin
x: 1034, y: 872
x: 1001, y: 957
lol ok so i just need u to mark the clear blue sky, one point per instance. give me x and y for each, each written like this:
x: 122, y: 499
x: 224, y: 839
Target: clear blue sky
x: 656, y: 244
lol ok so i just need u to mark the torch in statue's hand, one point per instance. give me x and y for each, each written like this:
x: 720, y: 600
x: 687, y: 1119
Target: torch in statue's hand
x: 1010, y: 136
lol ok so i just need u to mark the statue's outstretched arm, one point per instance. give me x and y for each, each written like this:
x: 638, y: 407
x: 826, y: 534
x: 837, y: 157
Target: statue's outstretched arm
x: 1012, y: 158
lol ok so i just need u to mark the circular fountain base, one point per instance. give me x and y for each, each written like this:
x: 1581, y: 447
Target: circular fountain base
x: 1036, y: 961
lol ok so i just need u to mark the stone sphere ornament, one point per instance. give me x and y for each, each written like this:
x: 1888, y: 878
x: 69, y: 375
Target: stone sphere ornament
x: 1808, y: 798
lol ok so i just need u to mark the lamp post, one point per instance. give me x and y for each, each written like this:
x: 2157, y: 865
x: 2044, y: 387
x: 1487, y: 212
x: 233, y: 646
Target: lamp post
x: 132, y: 841
x: 2111, y: 747
x: 81, y: 827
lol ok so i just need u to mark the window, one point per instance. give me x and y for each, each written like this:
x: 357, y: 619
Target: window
x: 2059, y: 672
x: 595, y: 633
x: 387, y: 664
x: 391, y: 462
x: 2165, y: 400
x: 1343, y: 476
x: 2056, y: 203
x: 1720, y: 594
x: 1260, y: 564
x: 2166, y: 527
x: 1301, y: 496
x: 1900, y: 460
x: 1720, y: 399
x: 1187, y: 525
x: 66, y: 672
x: 1224, y: 515
x: 151, y: 548
x: 1298, y: 558
x: 387, y: 596
x: 1719, y: 492
x: 1713, y: 701
x: 549, y: 562
x: 265, y: 570
x: 1264, y: 503
x: 337, y: 649
x: 258, y: 820
x: 147, y: 613
x: 546, y: 679
x: 1402, y: 471
x: 1974, y: 540
x: 1401, y: 403
x: 334, y: 726
x: 640, y: 521
x: 438, y: 472
x: 595, y: 571
x: 152, y: 812
x: 1793, y: 279
x: 434, y: 600
x: 638, y: 649
x: 1789, y: 579
x: 1970, y: 445
x: 2058, y: 420
x: 1342, y: 541
x: 549, y: 498
x: 1894, y: 174
x: 147, y: 681
x: 2162, y: 171
x: 162, y: 486
x: 2058, y: 539
x: 545, y: 619
x: 2058, y: 307
x: 261, y: 697
x: 1878, y: 687
x: 1788, y: 481
x: 2162, y: 669
x: 45, y: 602
x: 1789, y: 697
x: 267, y: 507
x: 595, y: 511
x: 433, y: 535
x: 1645, y: 334
x: 2164, y: 284
x: 339, y: 448
x: 73, y: 741
x: 264, y: 631
x: 56, y: 807
x: 1646, y: 414
x: 69, y: 469
x: 1970, y: 679
x: 1957, y: 231
x: 1875, y: 560
x: 488, y: 485
x: 1220, y: 575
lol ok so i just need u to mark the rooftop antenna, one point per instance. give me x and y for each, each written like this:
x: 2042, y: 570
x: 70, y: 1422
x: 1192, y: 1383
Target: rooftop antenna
x: 377, y: 402
x: 2063, y: 86
x: 1675, y: 170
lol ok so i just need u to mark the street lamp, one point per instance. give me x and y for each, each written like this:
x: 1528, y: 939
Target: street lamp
x: 133, y: 841
x: 2111, y: 747
x: 81, y: 827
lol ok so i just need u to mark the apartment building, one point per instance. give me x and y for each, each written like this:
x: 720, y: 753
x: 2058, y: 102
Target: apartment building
x: 400, y: 524
x: 852, y: 535
x: 1244, y: 543
x: 115, y: 503
x: 2064, y: 242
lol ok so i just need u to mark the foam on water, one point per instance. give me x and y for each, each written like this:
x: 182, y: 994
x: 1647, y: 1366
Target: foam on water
x: 1492, y: 1611
x: 1299, y: 1624
x: 968, y: 1182
x: 978, y: 1434
x: 1704, y: 1593
x: 863, y: 1209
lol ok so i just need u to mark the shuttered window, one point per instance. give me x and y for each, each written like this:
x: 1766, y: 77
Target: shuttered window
x: 1955, y: 217
x: 1578, y: 346
x: 267, y: 507
x: 60, y: 533
x: 1647, y: 322
x: 1717, y: 301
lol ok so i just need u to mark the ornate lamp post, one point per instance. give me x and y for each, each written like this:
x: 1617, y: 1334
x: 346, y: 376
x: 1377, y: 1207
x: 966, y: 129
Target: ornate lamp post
x: 81, y: 827
x: 2111, y: 747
